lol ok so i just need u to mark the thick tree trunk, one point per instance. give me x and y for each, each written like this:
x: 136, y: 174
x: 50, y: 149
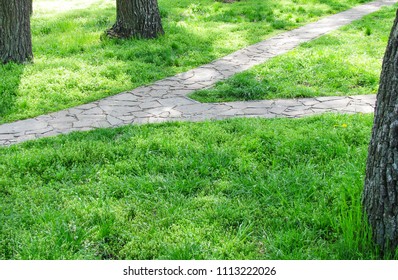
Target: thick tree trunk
x: 15, y: 36
x: 380, y: 196
x: 137, y: 18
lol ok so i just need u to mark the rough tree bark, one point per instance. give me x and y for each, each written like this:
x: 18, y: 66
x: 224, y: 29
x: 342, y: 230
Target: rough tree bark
x: 137, y: 18
x: 15, y: 36
x: 380, y: 195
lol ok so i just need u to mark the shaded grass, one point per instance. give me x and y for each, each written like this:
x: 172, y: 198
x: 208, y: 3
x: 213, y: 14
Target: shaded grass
x: 236, y: 189
x: 345, y: 62
x: 74, y: 63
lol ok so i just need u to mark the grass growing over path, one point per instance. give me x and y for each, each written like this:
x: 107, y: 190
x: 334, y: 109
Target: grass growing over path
x: 75, y: 64
x: 345, y: 62
x: 236, y: 189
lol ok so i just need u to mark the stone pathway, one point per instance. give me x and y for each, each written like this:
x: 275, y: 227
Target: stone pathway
x: 167, y: 99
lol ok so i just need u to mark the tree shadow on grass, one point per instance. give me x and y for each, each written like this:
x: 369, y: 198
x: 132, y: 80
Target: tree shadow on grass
x: 10, y: 77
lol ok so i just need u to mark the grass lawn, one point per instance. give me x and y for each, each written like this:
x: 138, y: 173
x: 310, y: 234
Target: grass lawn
x: 344, y: 62
x: 236, y: 189
x: 75, y: 64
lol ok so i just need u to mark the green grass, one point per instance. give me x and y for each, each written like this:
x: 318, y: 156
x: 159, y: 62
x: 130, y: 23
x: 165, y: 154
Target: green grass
x: 75, y: 64
x: 236, y: 189
x: 345, y: 62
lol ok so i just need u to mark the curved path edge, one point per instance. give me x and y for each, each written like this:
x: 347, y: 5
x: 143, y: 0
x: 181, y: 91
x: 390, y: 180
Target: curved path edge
x: 166, y: 100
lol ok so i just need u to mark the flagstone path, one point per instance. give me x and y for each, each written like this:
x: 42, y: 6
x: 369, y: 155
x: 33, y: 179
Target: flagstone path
x: 166, y: 100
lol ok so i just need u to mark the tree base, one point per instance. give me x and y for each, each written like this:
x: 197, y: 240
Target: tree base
x: 120, y: 32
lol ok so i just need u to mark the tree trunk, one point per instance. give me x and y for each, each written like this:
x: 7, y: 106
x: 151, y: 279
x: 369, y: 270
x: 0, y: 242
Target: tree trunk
x: 15, y: 36
x: 136, y: 18
x: 380, y: 200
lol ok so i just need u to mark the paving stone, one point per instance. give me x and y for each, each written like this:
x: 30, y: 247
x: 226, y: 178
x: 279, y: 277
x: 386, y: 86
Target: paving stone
x: 87, y: 106
x: 127, y: 119
x: 297, y: 113
x: 359, y: 109
x: 24, y: 125
x: 205, y: 75
x: 141, y: 120
x: 364, y: 99
x: 220, y: 107
x: 297, y: 108
x: 191, y: 109
x: 260, y: 104
x: 83, y: 124
x: 185, y: 75
x: 74, y: 111
x: 174, y: 113
x: 126, y: 96
x: 40, y: 131
x: 330, y: 98
x: 104, y: 124
x: 83, y: 128
x: 90, y: 121
x: 337, y: 103
x: 158, y: 93
x: 62, y: 124
x: 148, y: 105
x: 99, y: 117
x: 215, y: 111
x: 68, y: 130
x: 268, y: 116
x: 156, y: 120
x: 113, y: 121
x: 139, y: 92
x: 224, y: 64
x: 165, y: 83
x: 308, y: 101
x: 255, y: 111
x: 118, y: 111
x: 116, y: 102
x: 263, y: 116
x: 61, y: 115
x: 286, y: 102
x: 26, y: 137
x: 176, y: 101
x: 238, y: 104
x: 199, y: 118
x: 93, y: 111
x: 140, y: 114
x: 157, y: 111
x: 232, y: 112
x: 278, y: 109
x: 4, y: 137
x: 49, y: 133
x: 195, y: 86
x: 44, y: 118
